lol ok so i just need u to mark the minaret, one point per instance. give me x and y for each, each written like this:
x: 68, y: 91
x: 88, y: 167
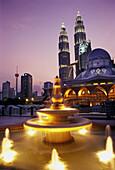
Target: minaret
x: 79, y: 39
x: 65, y: 70
x: 17, y: 75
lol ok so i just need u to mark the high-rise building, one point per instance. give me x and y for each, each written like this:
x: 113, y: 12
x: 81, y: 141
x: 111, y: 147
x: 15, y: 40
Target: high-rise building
x: 0, y: 95
x: 82, y: 47
x: 65, y: 70
x: 26, y: 86
x: 5, y: 90
x: 17, y: 75
x: 12, y: 93
x: 48, y: 84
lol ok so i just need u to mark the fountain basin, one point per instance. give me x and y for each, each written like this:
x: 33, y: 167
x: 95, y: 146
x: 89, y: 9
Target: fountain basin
x: 58, y: 133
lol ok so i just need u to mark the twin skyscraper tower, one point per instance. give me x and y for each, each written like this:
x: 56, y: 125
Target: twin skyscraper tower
x: 81, y: 47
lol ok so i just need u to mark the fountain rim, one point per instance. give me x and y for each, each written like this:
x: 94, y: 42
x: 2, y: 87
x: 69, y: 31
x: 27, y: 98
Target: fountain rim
x: 59, y: 128
x: 66, y: 111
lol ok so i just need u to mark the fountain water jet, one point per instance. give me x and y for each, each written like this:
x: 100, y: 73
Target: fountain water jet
x: 7, y: 154
x: 83, y: 131
x: 106, y: 155
x: 56, y: 163
x: 108, y: 130
x: 58, y: 120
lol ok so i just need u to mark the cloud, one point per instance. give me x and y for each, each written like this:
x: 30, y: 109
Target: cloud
x: 17, y: 26
x: 28, y: 19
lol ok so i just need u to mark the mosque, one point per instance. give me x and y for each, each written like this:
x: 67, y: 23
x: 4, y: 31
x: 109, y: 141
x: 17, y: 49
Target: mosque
x: 96, y: 84
x: 94, y: 81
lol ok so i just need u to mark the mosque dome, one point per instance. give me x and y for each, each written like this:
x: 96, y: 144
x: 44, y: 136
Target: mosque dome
x: 98, y: 53
x: 99, y: 63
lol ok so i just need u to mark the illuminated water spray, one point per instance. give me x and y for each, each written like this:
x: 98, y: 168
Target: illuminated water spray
x: 7, y: 154
x: 56, y: 163
x: 106, y: 155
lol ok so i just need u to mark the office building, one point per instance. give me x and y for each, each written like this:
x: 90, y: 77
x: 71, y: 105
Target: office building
x: 26, y: 86
x: 82, y: 47
x: 65, y: 70
x: 5, y: 90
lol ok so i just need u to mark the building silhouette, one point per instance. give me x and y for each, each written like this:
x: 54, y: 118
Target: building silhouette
x: 65, y: 70
x: 5, y: 90
x: 12, y: 93
x: 1, y: 95
x: 26, y: 86
x: 81, y: 46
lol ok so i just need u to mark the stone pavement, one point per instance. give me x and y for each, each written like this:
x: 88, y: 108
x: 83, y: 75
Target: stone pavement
x: 12, y: 122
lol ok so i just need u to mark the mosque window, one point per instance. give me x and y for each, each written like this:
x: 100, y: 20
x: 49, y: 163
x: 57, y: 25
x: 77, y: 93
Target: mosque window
x: 111, y: 91
x: 73, y: 92
x: 88, y: 92
x: 98, y: 71
x: 83, y: 92
x: 92, y: 71
x: 104, y: 70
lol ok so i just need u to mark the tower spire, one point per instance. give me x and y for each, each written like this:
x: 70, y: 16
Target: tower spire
x: 78, y: 13
x: 16, y: 69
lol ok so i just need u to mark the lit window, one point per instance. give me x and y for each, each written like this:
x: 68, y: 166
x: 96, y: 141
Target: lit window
x: 88, y: 92
x: 73, y: 92
x: 111, y: 91
x: 83, y: 92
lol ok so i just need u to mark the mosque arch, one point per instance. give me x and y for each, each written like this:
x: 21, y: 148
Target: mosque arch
x: 102, y: 89
x: 111, y: 93
x: 83, y: 91
x: 70, y: 97
x: 98, y: 96
x: 70, y: 93
x: 83, y: 96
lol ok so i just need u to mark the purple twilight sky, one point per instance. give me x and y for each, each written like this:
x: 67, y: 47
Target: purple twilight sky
x: 29, y: 33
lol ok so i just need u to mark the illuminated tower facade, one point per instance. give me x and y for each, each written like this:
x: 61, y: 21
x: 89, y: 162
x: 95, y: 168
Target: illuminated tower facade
x: 16, y: 75
x: 82, y: 47
x: 65, y: 70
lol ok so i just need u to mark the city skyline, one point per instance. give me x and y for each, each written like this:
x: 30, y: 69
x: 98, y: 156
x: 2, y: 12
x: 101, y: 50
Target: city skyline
x: 30, y: 34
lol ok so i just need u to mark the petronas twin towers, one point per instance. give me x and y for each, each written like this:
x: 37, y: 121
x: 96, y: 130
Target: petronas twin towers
x: 81, y: 46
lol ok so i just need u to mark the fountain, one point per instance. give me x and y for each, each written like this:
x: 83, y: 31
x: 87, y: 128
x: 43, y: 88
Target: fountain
x: 7, y: 154
x: 58, y: 121
x: 56, y: 163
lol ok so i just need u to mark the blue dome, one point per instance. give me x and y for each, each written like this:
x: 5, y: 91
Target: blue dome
x: 98, y: 64
x: 98, y: 53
